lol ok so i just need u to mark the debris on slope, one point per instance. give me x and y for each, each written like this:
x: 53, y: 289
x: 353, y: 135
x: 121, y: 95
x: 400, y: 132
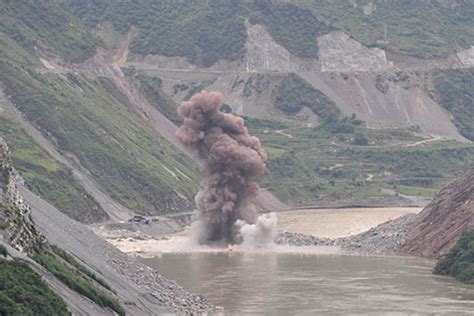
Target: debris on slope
x: 339, y: 53
x: 143, y: 290
x: 443, y: 221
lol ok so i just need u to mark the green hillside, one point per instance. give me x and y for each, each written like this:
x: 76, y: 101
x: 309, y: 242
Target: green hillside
x: 43, y: 26
x: 47, y: 177
x: 85, y: 117
x: 207, y: 31
x: 423, y: 29
x: 91, y: 119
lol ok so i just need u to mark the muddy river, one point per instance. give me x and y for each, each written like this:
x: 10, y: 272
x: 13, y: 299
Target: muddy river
x: 291, y: 283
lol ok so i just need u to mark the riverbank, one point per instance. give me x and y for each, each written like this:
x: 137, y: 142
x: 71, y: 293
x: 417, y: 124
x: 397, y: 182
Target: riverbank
x: 368, y: 230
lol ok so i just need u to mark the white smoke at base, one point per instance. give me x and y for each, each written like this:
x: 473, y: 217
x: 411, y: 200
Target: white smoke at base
x: 261, y: 234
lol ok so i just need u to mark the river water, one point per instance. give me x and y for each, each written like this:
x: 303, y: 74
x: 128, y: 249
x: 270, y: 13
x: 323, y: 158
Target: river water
x: 291, y: 283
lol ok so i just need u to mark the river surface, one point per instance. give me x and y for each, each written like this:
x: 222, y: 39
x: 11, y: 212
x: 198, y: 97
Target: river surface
x: 289, y: 284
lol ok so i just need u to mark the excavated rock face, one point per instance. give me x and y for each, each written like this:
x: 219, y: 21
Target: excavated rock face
x: 16, y: 225
x: 443, y: 221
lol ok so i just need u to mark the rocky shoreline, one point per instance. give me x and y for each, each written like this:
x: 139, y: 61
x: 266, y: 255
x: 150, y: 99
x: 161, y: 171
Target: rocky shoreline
x: 385, y: 238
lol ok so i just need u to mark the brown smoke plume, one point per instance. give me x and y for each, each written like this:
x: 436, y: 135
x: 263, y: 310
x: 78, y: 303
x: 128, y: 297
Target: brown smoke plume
x: 233, y: 161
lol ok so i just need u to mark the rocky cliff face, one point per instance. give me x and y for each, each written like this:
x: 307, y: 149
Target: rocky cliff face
x: 443, y: 221
x: 16, y: 226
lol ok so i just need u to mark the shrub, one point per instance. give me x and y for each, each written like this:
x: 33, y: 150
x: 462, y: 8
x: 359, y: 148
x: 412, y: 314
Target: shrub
x: 459, y: 262
x: 3, y: 250
x: 360, y: 140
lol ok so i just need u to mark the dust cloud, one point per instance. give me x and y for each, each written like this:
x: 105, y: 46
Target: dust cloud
x: 233, y: 161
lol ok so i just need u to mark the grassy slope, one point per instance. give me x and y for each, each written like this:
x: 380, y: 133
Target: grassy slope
x: 455, y: 91
x: 459, y: 262
x: 93, y: 120
x: 18, y: 32
x: 23, y: 292
x: 157, y: 98
x: 42, y: 25
x: 206, y: 31
x: 47, y: 177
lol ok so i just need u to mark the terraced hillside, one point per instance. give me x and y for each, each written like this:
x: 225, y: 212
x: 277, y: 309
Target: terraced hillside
x: 343, y: 163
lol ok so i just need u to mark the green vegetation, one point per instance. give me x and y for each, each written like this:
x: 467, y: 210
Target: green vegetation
x: 73, y: 262
x: 455, y: 91
x: 207, y: 31
x: 308, y: 164
x: 42, y: 25
x: 47, y: 177
x: 293, y: 93
x: 3, y: 250
x: 23, y: 292
x: 159, y: 99
x: 459, y: 262
x: 77, y: 281
x: 93, y: 120
x: 423, y: 29
x: 201, y: 31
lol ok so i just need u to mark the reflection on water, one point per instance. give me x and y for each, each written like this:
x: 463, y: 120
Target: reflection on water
x: 274, y: 283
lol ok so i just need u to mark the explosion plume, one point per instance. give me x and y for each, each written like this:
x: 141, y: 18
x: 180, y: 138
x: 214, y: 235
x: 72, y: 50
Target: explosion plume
x: 233, y: 161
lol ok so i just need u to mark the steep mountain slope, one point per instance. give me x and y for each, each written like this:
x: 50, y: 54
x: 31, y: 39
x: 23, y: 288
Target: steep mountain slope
x: 87, y: 118
x: 45, y: 176
x: 359, y: 80
x: 383, y: 87
x: 90, y: 284
x: 443, y: 221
